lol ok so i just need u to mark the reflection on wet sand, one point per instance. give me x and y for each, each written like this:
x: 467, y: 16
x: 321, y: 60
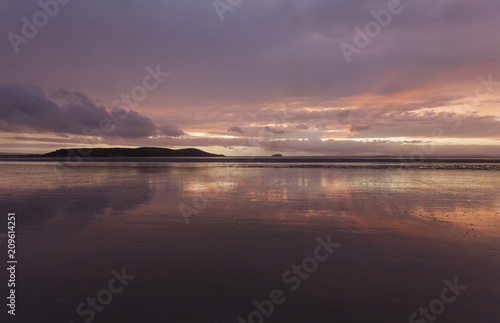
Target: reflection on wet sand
x: 402, y: 232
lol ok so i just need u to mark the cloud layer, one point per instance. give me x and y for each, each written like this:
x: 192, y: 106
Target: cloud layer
x: 420, y: 78
x: 27, y: 109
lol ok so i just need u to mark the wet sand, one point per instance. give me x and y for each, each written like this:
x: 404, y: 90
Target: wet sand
x: 205, y: 240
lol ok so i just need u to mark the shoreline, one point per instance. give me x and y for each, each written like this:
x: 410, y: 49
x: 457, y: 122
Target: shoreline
x: 262, y: 159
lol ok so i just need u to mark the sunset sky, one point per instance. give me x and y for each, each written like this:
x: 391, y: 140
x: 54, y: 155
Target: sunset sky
x: 297, y: 77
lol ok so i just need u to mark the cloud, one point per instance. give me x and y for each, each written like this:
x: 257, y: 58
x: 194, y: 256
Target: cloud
x: 235, y: 129
x: 359, y: 128
x: 274, y: 130
x: 430, y: 124
x: 171, y: 131
x: 264, y: 51
x: 265, y: 54
x: 377, y: 147
x: 26, y: 109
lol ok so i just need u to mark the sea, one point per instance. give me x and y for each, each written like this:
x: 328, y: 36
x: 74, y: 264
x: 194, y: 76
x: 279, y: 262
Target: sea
x: 296, y: 239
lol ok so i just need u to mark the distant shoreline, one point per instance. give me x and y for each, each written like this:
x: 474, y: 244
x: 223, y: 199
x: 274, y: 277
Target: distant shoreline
x: 114, y: 152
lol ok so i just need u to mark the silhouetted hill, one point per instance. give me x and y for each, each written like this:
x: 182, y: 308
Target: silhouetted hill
x: 131, y: 152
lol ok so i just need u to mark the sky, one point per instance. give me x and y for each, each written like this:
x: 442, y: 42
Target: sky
x: 252, y: 77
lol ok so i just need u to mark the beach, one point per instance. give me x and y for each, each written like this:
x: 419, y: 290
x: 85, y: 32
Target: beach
x: 248, y: 241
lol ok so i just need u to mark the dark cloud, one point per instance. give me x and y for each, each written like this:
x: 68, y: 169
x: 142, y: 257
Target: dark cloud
x: 71, y: 97
x: 235, y: 129
x: 170, y: 130
x: 275, y: 131
x: 26, y: 109
x: 359, y: 128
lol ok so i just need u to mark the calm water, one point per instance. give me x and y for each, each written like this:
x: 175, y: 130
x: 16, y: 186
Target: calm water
x: 205, y: 240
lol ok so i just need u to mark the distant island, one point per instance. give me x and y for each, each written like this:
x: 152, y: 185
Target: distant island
x: 131, y: 152
x: 277, y: 155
